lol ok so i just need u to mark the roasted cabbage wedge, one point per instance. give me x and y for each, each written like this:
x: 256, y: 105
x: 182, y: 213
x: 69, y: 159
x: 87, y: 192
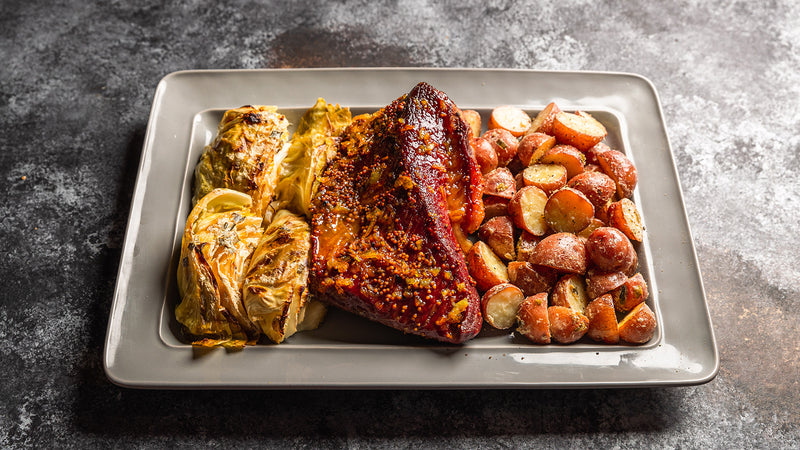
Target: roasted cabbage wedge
x: 313, y: 143
x: 243, y: 155
x: 220, y: 236
x: 237, y: 279
x: 275, y: 287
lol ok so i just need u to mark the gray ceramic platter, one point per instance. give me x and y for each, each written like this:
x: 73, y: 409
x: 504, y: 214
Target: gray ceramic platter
x: 143, y: 348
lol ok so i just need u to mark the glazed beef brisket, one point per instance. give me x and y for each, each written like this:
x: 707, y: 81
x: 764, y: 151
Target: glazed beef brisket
x: 382, y: 235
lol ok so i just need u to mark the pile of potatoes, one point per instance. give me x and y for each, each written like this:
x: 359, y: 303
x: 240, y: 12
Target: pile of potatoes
x: 554, y: 254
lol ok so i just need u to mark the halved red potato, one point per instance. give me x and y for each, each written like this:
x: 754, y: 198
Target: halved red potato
x: 500, y: 304
x: 598, y: 187
x: 638, y: 326
x: 593, y: 225
x: 532, y: 279
x: 624, y: 216
x: 526, y: 209
x: 533, y: 146
x: 566, y: 155
x: 525, y: 245
x: 566, y: 324
x: 563, y: 252
x: 632, y: 292
x: 533, y: 321
x: 568, y: 210
x: 504, y: 143
x: 599, y: 283
x: 498, y: 233
x: 510, y: 118
x: 499, y: 183
x: 494, y: 206
x: 603, y: 325
x: 592, y: 153
x: 484, y: 155
x: 616, y: 165
x: 580, y: 130
x: 547, y: 177
x: 570, y: 291
x: 485, y: 267
x: 473, y: 119
x: 610, y: 250
x: 543, y: 122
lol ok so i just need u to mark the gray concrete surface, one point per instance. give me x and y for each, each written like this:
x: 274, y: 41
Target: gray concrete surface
x: 76, y: 84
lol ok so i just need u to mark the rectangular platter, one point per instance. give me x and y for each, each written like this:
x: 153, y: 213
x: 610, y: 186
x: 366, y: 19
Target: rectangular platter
x: 143, y: 346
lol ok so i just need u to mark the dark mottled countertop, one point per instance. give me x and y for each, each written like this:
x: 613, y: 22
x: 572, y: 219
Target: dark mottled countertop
x: 76, y: 85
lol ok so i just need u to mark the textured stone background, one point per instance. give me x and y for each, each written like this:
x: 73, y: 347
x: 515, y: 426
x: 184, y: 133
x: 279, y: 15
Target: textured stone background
x: 76, y: 85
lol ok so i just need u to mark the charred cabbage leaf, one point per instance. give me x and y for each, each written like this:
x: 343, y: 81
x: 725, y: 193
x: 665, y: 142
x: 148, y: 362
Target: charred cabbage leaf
x: 313, y: 143
x: 219, y: 238
x: 242, y: 156
x: 275, y: 287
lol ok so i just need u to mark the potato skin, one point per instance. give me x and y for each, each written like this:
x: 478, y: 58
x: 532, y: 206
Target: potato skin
x: 484, y: 155
x: 566, y: 324
x: 564, y: 252
x: 525, y: 245
x: 566, y: 155
x: 533, y: 146
x: 599, y: 283
x: 598, y: 187
x: 504, y: 143
x: 510, y: 118
x: 568, y: 210
x: 533, y: 320
x: 519, y: 181
x: 603, y: 325
x: 617, y: 166
x: 592, y: 168
x: 494, y: 206
x: 473, y: 119
x: 498, y: 233
x: 610, y: 250
x: 532, y: 279
x: 634, y: 267
x: 543, y: 122
x: 499, y: 183
x: 601, y: 213
x: 485, y: 267
x: 594, y: 152
x: 580, y: 130
x: 639, y: 326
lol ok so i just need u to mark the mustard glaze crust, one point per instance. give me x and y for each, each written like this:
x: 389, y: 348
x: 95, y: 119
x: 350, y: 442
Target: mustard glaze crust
x: 382, y: 241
